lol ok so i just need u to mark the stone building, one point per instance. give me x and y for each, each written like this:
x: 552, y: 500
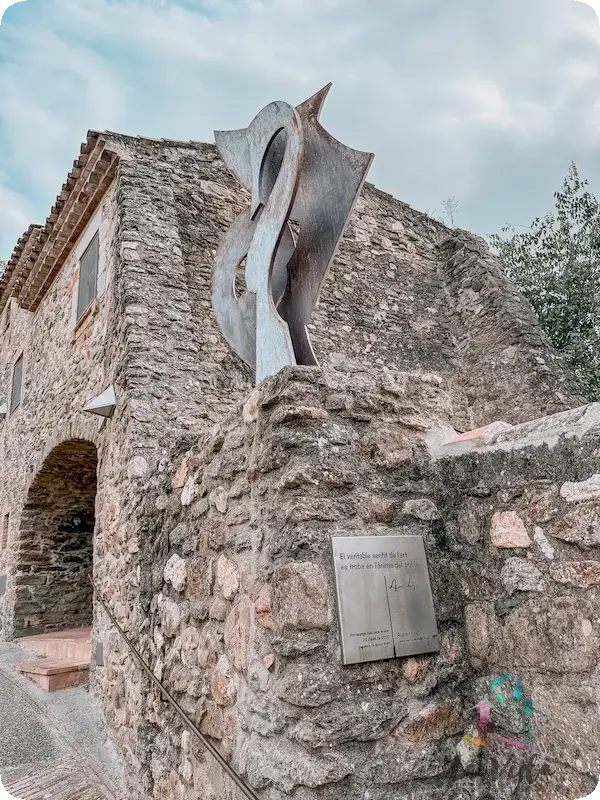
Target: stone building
x: 203, y: 507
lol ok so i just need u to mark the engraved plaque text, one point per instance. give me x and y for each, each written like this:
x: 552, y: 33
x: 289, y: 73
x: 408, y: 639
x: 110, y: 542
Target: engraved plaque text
x: 384, y: 598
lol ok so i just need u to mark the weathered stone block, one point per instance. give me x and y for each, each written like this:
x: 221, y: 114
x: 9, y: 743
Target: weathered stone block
x: 581, y: 491
x: 179, y: 479
x: 196, y: 585
x: 218, y: 609
x: 519, y: 575
x: 566, y: 734
x: 189, y: 642
x: 395, y: 762
x: 212, y: 721
x: 175, y: 572
x: 290, y: 765
x: 189, y: 492
x: 508, y: 530
x: 222, y: 687
x: 251, y: 408
x: 471, y: 518
x: 263, y: 608
x: 560, y: 635
x: 237, y: 633
x: 310, y: 685
x: 179, y: 535
x: 337, y: 723
x: 218, y: 497
x: 424, y: 509
x: 543, y: 543
x: 482, y: 629
x: 227, y: 578
x: 580, y: 526
x: 300, y: 596
x: 414, y: 669
x: 378, y: 509
x: 292, y: 643
x: 435, y: 721
x: 390, y: 447
x: 170, y: 616
x: 582, y: 574
x: 284, y: 414
x: 209, y: 646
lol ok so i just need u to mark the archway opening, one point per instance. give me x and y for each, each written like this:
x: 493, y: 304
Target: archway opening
x: 54, y: 553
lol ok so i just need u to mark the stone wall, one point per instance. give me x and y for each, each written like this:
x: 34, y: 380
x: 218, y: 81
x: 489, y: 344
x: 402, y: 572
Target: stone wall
x: 237, y: 612
x: 235, y: 627
x: 520, y: 524
x: 65, y: 366
x: 504, y: 353
x: 404, y: 293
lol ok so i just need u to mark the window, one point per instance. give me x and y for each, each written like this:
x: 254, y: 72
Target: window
x: 88, y: 277
x: 4, y: 533
x: 6, y: 322
x: 17, y: 382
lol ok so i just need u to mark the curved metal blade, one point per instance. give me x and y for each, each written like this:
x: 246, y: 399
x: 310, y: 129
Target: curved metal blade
x: 331, y: 178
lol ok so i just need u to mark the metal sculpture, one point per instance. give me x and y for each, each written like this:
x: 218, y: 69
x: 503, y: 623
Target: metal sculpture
x: 296, y: 172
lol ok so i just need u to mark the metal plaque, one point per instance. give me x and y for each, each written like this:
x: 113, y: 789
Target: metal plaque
x: 385, y: 605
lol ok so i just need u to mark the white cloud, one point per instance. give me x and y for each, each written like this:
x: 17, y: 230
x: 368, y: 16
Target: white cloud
x: 579, y: 72
x: 487, y: 102
x: 433, y: 89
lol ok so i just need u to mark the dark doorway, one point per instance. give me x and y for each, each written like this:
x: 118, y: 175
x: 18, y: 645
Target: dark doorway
x: 54, y: 553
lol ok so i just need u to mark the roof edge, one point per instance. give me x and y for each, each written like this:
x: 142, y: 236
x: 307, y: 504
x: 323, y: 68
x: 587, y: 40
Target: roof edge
x: 42, y: 249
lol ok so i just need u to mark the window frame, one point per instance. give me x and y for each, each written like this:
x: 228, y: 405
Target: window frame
x: 13, y: 407
x: 79, y: 310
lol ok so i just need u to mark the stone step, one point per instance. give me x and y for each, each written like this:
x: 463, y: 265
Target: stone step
x: 74, y: 644
x: 52, y: 674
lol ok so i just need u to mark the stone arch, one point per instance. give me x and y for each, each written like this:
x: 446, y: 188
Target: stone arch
x: 54, y: 553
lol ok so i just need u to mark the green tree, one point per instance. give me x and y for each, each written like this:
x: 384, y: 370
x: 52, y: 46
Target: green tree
x: 556, y: 264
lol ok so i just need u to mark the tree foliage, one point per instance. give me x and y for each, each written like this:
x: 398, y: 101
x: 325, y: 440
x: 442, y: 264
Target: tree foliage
x: 556, y: 264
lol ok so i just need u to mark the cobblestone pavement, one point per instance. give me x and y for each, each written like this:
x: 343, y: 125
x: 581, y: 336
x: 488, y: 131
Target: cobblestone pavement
x: 52, y: 745
x: 57, y: 782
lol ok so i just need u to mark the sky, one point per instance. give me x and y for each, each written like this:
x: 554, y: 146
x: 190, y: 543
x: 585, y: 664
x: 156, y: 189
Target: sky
x: 486, y: 102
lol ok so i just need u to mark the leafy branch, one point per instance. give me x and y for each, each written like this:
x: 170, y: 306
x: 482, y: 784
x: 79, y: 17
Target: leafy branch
x: 556, y: 264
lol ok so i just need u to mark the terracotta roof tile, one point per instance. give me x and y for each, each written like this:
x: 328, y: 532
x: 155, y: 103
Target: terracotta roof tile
x: 41, y: 251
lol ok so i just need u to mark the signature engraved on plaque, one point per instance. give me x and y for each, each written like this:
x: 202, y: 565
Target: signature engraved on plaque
x: 384, y: 597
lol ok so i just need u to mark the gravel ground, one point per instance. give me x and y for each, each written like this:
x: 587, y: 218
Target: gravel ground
x: 39, y: 729
x: 24, y: 737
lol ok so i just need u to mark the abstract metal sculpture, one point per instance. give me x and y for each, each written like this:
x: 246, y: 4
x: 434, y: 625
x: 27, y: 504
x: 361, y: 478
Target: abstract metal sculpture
x: 296, y: 172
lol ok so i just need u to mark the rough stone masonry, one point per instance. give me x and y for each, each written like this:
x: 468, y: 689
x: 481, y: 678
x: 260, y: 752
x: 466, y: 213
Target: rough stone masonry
x: 242, y: 621
x: 214, y: 503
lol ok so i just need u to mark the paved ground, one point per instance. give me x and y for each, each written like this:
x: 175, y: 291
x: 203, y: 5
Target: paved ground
x: 52, y: 745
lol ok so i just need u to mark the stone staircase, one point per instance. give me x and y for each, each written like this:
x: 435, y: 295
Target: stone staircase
x: 65, y: 662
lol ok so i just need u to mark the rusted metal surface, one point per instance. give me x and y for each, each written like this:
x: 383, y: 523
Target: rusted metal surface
x: 295, y: 171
